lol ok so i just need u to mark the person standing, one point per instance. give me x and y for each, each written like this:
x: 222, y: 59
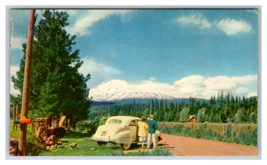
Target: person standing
x: 142, y: 128
x: 152, y: 126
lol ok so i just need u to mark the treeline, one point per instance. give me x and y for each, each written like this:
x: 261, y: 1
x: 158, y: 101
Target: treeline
x: 57, y: 88
x: 223, y: 108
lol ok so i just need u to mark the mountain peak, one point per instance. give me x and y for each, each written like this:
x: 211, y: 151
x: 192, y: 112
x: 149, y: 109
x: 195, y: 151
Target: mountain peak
x: 116, y: 90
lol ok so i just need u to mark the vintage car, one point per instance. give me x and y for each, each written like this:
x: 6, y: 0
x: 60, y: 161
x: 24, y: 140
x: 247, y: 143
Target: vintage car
x: 119, y: 130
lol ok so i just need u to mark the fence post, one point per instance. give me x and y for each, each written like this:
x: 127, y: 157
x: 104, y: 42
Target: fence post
x: 223, y: 129
x: 239, y: 129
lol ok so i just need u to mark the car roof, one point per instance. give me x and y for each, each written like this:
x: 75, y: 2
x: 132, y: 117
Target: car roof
x: 125, y: 119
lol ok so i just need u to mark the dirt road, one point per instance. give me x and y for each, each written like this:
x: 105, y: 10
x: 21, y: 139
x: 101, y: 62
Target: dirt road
x: 186, y: 146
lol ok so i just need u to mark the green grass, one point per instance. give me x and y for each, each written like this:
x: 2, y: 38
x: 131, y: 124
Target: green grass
x: 85, y: 146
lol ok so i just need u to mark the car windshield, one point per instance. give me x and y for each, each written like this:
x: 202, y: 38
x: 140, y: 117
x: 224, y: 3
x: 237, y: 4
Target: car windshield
x: 114, y: 121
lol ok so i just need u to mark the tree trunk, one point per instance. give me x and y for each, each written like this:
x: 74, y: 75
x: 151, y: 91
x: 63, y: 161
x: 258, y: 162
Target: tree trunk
x: 13, y: 117
x: 74, y: 123
x: 70, y: 122
x: 66, y: 120
x: 57, y: 120
x: 16, y: 116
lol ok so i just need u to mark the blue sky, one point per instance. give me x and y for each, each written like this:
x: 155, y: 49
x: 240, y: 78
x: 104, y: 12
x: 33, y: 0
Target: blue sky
x: 180, y: 52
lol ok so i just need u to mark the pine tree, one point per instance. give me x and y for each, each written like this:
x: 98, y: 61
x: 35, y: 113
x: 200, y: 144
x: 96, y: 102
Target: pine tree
x: 56, y: 85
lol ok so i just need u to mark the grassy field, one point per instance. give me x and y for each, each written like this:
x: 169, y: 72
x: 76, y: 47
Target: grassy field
x: 85, y: 146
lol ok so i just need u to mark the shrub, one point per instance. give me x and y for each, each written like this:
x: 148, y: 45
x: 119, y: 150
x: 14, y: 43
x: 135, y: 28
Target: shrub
x: 166, y: 130
x: 184, y: 114
x: 253, y: 117
x: 201, y: 115
x: 228, y: 132
x: 91, y: 126
x: 186, y: 131
x: 251, y: 137
x: 202, y: 130
x: 177, y: 129
x: 195, y: 133
x: 239, y: 116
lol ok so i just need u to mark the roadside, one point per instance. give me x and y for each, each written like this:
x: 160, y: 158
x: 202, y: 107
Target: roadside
x: 186, y: 146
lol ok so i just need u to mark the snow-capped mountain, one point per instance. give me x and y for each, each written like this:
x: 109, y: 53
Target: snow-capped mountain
x: 116, y: 90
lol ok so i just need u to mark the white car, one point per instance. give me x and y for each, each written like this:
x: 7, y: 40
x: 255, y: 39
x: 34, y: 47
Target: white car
x: 120, y: 130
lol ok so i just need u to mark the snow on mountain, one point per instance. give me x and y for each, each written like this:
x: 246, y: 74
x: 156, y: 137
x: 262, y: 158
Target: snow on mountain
x: 116, y: 90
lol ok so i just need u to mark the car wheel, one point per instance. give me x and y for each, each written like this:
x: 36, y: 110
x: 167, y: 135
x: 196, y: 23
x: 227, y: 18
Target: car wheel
x: 101, y: 143
x: 126, y: 146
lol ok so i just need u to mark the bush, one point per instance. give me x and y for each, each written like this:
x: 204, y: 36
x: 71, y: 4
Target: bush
x: 202, y: 130
x: 201, y: 115
x: 90, y: 126
x: 253, y: 118
x: 228, y: 132
x: 184, y: 114
x: 195, y: 133
x: 186, y: 131
x: 177, y: 129
x: 240, y: 116
x: 166, y: 130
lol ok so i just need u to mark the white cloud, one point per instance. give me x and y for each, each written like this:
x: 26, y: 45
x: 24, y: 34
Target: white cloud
x: 241, y: 90
x: 98, y: 71
x: 190, y: 80
x: 251, y: 94
x: 230, y: 26
x: 70, y: 12
x: 194, y: 19
x: 233, y: 27
x: 16, y: 43
x: 152, y: 78
x: 90, y: 66
x: 155, y: 87
x: 13, y: 71
x: 199, y: 87
x: 81, y: 25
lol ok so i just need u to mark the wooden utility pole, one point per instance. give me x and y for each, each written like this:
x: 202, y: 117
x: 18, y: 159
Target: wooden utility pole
x: 26, y: 84
x: 13, y: 126
x: 17, y: 107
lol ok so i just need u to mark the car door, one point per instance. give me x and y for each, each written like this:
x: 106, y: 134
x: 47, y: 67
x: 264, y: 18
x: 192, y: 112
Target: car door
x: 133, y: 129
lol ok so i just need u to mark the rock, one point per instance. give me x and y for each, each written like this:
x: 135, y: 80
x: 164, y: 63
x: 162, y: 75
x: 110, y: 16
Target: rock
x: 52, y: 147
x: 73, y: 145
x: 92, y: 149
